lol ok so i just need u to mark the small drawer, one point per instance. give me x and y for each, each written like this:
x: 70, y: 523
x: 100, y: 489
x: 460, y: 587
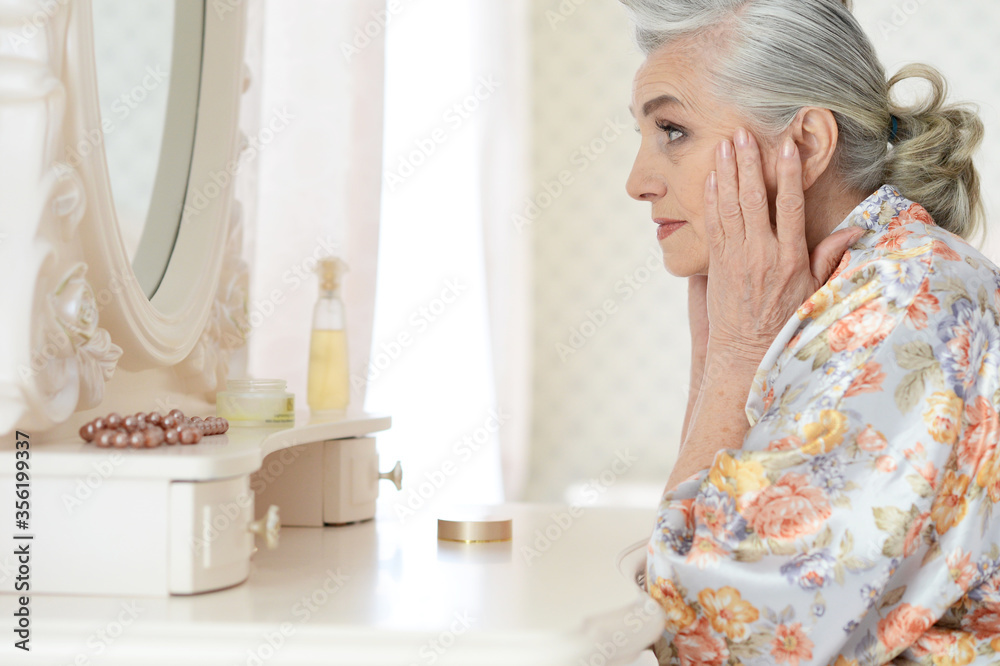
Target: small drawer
x: 324, y: 483
x: 210, y: 542
x: 350, y: 477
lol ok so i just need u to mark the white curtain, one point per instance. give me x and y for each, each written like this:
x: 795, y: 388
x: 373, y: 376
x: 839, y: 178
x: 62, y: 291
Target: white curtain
x: 503, y: 37
x: 452, y: 364
x: 319, y: 178
x: 324, y: 69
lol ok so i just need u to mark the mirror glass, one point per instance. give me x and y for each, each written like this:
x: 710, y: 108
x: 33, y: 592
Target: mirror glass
x: 148, y: 56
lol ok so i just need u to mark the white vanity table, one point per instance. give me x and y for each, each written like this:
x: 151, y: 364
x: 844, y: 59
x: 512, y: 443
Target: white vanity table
x: 384, y: 592
x: 180, y: 519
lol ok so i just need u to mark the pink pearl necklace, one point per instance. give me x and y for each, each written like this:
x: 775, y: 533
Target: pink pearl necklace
x: 141, y: 430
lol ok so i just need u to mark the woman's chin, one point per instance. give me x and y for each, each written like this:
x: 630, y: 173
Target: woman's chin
x: 683, y: 266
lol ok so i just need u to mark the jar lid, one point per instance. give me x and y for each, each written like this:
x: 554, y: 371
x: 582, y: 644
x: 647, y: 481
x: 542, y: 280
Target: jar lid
x: 247, y: 385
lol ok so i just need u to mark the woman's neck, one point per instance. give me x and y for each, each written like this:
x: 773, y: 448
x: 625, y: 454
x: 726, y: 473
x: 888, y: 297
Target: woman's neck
x: 828, y: 202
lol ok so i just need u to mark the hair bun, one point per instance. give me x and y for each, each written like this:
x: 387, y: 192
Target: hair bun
x: 933, y: 159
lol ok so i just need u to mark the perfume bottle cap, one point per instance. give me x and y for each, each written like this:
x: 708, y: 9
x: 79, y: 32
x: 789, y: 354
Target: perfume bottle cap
x: 330, y: 271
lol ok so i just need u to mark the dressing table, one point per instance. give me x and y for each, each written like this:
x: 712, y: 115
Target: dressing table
x: 175, y: 554
x: 389, y: 593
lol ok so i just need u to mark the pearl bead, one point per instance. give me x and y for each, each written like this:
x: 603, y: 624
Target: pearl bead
x: 137, y: 439
x: 153, y: 437
x: 99, y: 424
x: 113, y: 420
x: 170, y: 436
x: 104, y: 437
x: 129, y: 422
x: 168, y: 422
x: 154, y: 418
x: 120, y: 439
x: 87, y: 432
x: 190, y: 436
x: 177, y: 414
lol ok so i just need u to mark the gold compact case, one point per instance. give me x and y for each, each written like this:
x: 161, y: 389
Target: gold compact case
x: 482, y: 529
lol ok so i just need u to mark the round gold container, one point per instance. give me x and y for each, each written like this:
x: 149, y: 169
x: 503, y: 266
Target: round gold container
x: 480, y: 530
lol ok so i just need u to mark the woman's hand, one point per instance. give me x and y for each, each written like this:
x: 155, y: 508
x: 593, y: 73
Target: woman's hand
x: 759, y: 276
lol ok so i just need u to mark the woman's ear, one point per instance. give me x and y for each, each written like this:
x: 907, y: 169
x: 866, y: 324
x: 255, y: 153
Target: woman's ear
x: 815, y: 132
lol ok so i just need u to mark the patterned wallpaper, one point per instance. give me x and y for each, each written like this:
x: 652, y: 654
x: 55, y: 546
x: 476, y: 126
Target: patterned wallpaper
x: 611, y: 346
x: 610, y: 329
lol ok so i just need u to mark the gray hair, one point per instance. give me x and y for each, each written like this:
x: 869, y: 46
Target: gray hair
x: 778, y: 56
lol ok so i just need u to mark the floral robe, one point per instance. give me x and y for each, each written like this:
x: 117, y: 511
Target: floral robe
x: 858, y: 523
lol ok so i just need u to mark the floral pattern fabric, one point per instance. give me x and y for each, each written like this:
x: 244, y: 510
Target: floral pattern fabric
x: 858, y: 523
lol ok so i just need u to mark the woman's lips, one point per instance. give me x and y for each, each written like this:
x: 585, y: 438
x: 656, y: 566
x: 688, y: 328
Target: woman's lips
x: 665, y: 226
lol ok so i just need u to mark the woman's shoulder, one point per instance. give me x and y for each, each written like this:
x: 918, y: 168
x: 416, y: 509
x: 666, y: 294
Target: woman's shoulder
x: 908, y: 289
x: 902, y: 232
x: 905, y: 256
x: 906, y: 283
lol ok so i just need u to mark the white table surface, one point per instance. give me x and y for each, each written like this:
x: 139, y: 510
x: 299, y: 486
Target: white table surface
x: 380, y: 592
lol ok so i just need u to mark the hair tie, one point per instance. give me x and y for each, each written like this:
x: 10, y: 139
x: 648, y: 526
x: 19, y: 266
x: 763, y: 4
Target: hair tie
x: 895, y: 130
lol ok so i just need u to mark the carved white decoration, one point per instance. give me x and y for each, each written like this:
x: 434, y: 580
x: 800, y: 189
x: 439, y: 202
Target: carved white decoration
x: 57, y: 358
x: 67, y: 198
x: 93, y: 356
x: 209, y: 361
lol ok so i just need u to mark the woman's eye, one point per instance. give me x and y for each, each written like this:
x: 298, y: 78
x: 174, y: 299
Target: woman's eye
x: 673, y: 133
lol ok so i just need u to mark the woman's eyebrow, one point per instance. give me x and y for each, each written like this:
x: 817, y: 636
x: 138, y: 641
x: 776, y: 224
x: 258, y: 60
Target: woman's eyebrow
x: 655, y: 103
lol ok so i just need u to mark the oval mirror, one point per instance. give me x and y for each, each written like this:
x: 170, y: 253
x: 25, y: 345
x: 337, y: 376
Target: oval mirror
x: 149, y: 61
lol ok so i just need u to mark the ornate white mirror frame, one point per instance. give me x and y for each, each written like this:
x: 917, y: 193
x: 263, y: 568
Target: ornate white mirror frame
x: 74, y: 310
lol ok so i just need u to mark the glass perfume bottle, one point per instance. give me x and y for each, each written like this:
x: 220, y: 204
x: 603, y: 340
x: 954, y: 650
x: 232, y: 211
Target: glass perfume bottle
x: 328, y: 390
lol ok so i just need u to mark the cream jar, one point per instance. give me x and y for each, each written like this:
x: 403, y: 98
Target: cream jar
x: 256, y: 402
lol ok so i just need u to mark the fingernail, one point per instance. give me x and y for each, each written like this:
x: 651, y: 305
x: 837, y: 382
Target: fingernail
x: 742, y: 138
x: 726, y: 149
x: 788, y: 150
x: 713, y: 181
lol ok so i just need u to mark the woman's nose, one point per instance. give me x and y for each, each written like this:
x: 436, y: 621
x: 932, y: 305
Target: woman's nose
x: 643, y: 183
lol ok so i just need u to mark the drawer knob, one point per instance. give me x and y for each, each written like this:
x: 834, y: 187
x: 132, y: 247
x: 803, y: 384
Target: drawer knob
x: 268, y: 527
x: 395, y: 475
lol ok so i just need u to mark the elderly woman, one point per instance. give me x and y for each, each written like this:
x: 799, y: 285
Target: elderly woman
x: 835, y: 495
